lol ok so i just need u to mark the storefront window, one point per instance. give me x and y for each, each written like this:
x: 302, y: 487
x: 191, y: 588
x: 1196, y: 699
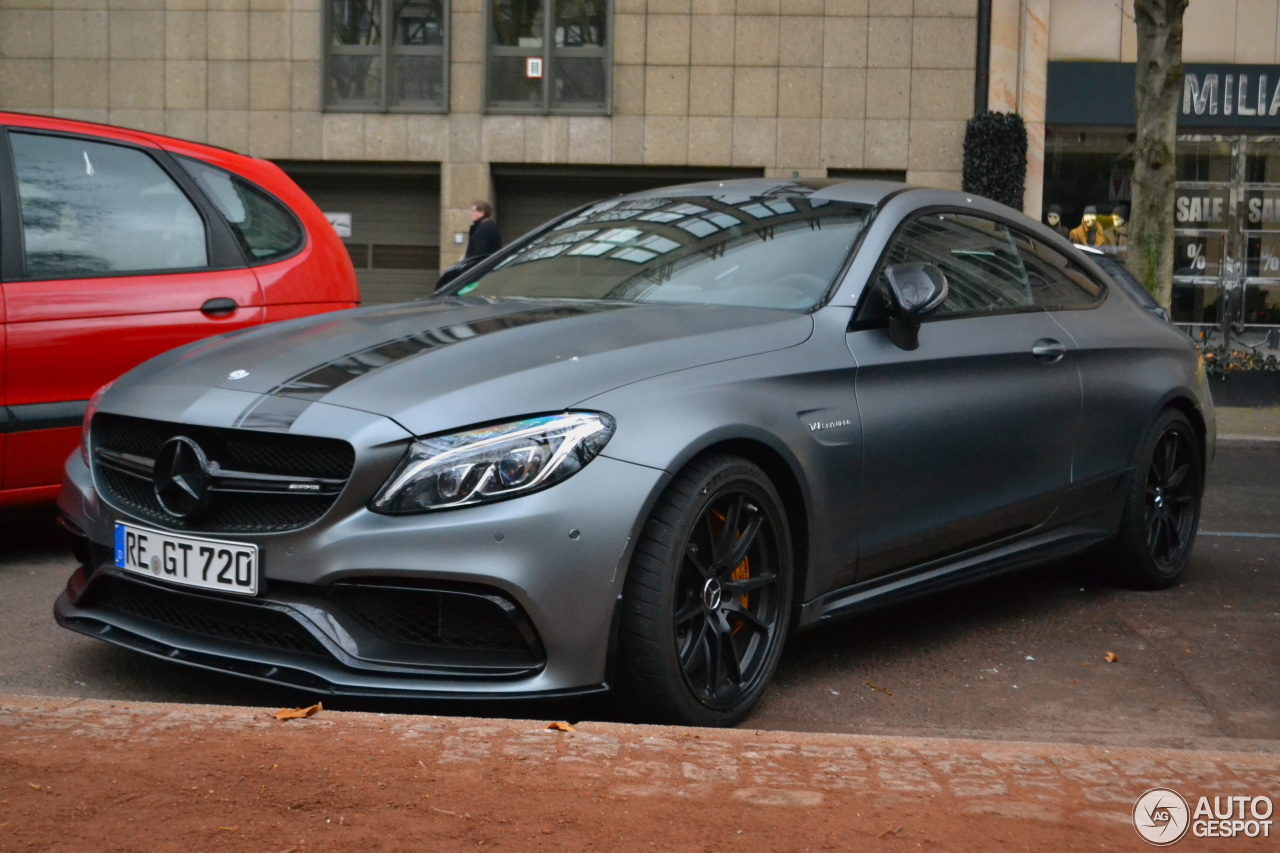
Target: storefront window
x: 1227, y: 218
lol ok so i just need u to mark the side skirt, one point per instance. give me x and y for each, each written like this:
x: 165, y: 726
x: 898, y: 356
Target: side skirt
x: 1034, y: 549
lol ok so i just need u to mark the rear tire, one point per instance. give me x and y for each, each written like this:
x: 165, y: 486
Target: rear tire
x: 1162, y: 509
x: 707, y: 599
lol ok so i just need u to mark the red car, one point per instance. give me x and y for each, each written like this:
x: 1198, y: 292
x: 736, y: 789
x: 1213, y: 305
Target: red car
x: 116, y: 245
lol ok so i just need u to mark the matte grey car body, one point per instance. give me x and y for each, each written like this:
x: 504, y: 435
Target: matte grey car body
x: 876, y: 444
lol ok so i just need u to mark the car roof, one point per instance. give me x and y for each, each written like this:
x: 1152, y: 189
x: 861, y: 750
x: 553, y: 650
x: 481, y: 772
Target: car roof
x: 33, y: 121
x: 859, y: 191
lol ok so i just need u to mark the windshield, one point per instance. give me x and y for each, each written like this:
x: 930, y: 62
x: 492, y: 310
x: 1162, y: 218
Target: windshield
x: 766, y: 252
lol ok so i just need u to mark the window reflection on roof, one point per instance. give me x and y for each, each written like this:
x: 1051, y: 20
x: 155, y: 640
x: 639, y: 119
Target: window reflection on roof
x: 647, y: 228
x: 636, y: 256
x: 699, y: 227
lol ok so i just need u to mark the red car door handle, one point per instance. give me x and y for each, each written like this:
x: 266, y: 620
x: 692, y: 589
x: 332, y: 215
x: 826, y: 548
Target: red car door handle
x: 1048, y: 350
x: 219, y: 307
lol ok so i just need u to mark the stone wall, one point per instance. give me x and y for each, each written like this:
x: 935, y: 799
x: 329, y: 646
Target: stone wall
x: 790, y: 86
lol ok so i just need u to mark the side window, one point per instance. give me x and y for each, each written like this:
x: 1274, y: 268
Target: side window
x: 93, y: 208
x: 978, y: 256
x: 265, y: 228
x: 1056, y: 283
x: 548, y: 56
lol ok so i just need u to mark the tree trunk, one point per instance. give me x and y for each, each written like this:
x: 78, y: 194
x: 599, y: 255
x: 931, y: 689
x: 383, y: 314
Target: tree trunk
x: 1155, y: 101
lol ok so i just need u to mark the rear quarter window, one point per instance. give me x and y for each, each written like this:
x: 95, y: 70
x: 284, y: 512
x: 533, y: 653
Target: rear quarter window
x: 266, y: 229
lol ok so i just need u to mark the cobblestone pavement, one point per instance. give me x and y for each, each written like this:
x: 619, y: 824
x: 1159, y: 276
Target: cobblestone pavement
x: 160, y: 777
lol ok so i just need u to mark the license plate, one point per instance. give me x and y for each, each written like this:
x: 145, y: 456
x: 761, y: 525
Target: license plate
x: 188, y: 560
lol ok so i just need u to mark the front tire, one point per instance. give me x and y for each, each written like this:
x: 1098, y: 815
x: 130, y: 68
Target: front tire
x: 707, y: 599
x: 1162, y: 509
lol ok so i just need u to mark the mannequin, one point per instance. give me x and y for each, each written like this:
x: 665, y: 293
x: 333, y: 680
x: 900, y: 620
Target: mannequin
x: 1054, y: 220
x: 1119, y: 231
x: 1089, y: 232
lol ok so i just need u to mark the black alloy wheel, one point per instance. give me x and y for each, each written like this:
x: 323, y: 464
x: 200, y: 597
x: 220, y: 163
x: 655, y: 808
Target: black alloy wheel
x: 1162, y: 509
x: 1171, y: 499
x: 727, y: 597
x: 707, y: 601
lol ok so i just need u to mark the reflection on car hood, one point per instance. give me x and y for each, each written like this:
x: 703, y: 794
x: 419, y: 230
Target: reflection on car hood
x: 440, y: 364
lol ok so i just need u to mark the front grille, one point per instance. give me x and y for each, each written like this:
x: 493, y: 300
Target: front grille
x: 205, y: 616
x: 304, y: 458
x: 437, y: 618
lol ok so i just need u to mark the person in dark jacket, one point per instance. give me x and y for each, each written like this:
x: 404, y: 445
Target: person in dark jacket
x: 484, y: 238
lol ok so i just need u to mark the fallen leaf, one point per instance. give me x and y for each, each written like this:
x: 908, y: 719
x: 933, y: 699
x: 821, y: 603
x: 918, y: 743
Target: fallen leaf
x: 229, y: 828
x: 883, y: 690
x: 560, y: 727
x: 33, y: 786
x: 297, y: 713
x: 1111, y: 657
x: 893, y: 831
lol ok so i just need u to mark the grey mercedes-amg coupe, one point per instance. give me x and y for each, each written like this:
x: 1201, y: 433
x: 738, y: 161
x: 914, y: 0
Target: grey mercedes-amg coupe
x: 636, y: 449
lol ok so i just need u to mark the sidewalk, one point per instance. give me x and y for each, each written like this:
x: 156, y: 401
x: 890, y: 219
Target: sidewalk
x: 1239, y: 425
x: 88, y: 775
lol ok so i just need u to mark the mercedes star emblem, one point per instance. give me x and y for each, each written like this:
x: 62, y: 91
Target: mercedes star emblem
x: 237, y: 374
x: 181, y: 479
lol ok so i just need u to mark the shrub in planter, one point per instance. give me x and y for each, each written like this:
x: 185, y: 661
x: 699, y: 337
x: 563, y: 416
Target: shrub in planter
x: 995, y: 157
x: 1242, y: 377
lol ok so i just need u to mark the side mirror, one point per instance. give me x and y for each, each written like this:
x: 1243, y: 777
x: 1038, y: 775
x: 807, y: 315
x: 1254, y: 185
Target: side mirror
x: 910, y: 292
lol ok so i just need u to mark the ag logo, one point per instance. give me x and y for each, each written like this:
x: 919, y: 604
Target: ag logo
x: 1161, y: 816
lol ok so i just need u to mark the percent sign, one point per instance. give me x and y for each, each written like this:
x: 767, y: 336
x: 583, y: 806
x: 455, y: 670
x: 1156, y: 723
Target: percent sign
x: 1270, y: 262
x: 1195, y: 253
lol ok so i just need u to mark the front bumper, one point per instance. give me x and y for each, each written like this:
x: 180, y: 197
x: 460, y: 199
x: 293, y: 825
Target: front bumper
x: 551, y: 563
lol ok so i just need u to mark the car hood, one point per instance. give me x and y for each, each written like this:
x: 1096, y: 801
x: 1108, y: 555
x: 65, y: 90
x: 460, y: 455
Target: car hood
x: 443, y: 363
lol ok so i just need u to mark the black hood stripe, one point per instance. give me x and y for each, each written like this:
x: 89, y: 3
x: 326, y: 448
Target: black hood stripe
x: 286, y: 402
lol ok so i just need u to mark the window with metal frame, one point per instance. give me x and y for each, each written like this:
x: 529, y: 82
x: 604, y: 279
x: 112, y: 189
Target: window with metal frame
x: 387, y: 55
x: 548, y: 56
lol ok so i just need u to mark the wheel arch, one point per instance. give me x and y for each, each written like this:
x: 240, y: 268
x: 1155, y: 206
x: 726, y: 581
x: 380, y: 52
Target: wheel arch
x: 1191, y: 411
x: 794, y: 506
x: 784, y: 478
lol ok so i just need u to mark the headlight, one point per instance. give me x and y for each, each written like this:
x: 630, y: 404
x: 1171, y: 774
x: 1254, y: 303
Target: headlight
x: 89, y: 409
x: 493, y: 463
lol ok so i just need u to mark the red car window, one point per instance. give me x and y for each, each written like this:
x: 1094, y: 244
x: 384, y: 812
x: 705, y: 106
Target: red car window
x: 267, y: 231
x: 90, y: 208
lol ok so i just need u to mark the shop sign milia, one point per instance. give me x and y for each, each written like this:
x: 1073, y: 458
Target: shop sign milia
x: 1214, y: 96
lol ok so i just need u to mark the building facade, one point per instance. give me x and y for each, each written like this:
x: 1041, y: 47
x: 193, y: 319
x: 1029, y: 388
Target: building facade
x: 396, y: 115
x: 401, y: 113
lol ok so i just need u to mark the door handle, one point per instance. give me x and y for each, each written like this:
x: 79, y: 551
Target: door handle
x: 1048, y: 350
x: 219, y: 307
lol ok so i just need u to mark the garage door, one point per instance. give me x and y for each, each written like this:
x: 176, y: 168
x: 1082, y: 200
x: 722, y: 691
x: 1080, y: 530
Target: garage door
x: 527, y: 196
x: 393, y: 213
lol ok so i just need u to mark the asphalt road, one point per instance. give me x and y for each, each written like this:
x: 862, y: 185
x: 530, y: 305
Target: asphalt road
x: 1022, y: 658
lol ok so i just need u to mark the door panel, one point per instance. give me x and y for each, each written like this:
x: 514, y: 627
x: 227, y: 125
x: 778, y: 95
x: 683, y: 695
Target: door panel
x: 68, y: 338
x: 967, y: 439
x: 4, y: 411
x: 114, y: 268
